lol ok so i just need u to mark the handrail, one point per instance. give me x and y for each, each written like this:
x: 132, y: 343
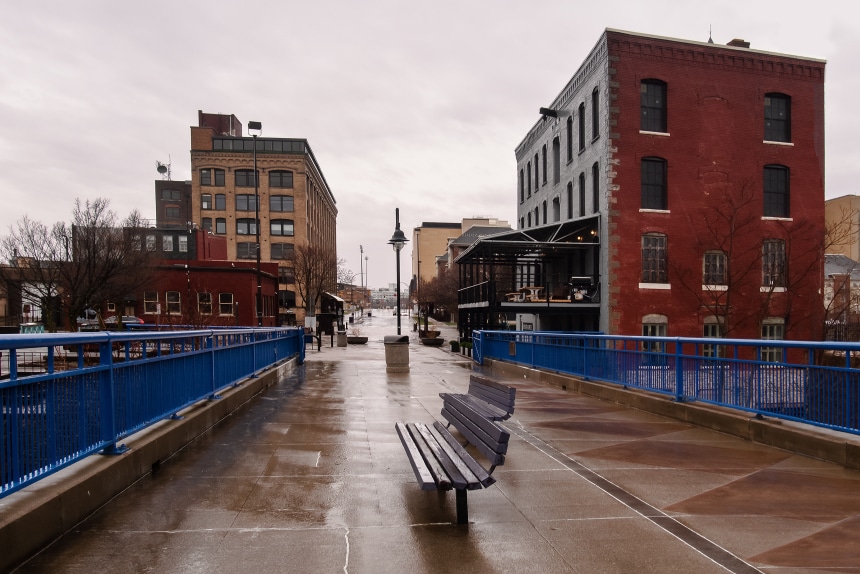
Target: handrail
x: 66, y: 396
x: 810, y: 382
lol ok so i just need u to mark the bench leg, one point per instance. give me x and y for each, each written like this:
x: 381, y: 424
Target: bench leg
x: 462, y: 506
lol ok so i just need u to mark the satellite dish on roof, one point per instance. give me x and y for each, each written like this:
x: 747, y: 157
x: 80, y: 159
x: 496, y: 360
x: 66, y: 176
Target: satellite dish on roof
x: 163, y: 169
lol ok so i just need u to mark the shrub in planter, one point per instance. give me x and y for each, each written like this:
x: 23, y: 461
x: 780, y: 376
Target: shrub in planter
x: 455, y: 346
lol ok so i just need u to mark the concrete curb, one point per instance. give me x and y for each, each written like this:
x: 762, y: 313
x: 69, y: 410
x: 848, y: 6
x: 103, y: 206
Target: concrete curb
x: 824, y: 444
x: 33, y: 517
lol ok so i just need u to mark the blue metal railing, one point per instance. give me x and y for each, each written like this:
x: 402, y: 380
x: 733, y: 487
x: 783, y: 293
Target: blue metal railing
x: 66, y: 396
x: 815, y: 383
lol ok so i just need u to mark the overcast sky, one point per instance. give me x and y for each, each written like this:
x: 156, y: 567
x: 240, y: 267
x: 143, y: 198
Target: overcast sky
x: 416, y: 105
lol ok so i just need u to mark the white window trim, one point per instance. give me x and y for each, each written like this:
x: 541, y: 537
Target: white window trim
x: 766, y: 289
x: 664, y: 286
x: 771, y: 218
x: 664, y: 134
x: 789, y: 144
x: 706, y: 287
x: 654, y: 211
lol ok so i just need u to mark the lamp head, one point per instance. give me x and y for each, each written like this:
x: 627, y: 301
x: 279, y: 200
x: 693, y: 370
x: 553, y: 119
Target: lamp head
x: 255, y: 126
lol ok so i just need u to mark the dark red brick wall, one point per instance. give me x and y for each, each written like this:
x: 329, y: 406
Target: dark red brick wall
x: 715, y: 150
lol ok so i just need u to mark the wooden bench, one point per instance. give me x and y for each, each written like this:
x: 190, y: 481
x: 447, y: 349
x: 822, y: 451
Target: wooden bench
x: 440, y: 462
x: 492, y: 399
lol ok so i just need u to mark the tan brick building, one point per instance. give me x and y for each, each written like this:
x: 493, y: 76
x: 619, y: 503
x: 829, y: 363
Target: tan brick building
x: 296, y: 204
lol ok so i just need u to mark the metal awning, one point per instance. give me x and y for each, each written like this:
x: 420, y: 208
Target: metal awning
x: 544, y: 241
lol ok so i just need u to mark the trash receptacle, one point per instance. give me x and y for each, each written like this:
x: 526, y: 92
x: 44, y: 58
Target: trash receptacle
x: 396, y: 353
x: 341, y: 338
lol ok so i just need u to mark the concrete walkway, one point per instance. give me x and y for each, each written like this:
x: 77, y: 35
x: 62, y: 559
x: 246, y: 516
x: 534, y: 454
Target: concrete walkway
x: 310, y: 477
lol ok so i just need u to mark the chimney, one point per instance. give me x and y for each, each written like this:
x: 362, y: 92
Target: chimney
x: 739, y: 43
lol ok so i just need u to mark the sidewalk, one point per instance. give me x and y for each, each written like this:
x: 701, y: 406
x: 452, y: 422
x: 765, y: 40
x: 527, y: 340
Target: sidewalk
x: 310, y: 476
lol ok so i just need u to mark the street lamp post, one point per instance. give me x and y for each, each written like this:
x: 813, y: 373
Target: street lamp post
x: 258, y: 127
x: 397, y: 241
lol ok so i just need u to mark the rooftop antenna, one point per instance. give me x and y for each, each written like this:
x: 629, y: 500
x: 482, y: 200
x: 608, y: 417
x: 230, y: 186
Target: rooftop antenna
x: 710, y: 37
x: 163, y: 169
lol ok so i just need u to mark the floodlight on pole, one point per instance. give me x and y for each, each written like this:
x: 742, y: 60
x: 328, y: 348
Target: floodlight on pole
x: 397, y: 241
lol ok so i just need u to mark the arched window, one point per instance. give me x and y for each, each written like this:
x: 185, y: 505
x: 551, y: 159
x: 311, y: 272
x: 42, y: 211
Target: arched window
x: 654, y: 192
x: 281, y: 178
x: 652, y: 104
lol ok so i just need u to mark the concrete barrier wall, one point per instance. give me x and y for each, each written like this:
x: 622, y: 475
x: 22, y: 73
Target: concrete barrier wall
x: 824, y: 444
x: 33, y: 517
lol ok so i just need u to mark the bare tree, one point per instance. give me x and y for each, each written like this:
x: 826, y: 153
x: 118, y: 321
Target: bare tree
x: 315, y: 269
x: 732, y: 231
x: 345, y: 275
x: 93, y: 260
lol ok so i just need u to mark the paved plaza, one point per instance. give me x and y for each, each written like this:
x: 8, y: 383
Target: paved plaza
x: 310, y: 477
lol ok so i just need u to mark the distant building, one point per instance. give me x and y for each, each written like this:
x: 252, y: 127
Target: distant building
x: 673, y: 188
x: 296, y: 205
x: 842, y: 216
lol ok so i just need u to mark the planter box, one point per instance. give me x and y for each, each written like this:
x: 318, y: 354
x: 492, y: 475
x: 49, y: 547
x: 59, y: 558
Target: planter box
x: 356, y: 340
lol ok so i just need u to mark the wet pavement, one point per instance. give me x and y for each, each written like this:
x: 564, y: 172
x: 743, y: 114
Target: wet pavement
x: 311, y: 477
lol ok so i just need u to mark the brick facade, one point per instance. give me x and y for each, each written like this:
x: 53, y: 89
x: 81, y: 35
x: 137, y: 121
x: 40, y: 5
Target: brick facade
x: 715, y: 155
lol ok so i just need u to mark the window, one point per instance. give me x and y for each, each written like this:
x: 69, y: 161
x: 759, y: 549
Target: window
x: 280, y: 203
x: 283, y: 227
x: 529, y: 218
x: 595, y: 107
x: 210, y: 176
x: 581, y: 127
x: 529, y: 178
x: 281, y: 179
x: 220, y: 201
x: 246, y: 202
x: 245, y: 178
x: 225, y: 303
x: 543, y: 161
x: 282, y: 251
x: 595, y: 188
x: 207, y: 224
x: 581, y: 194
x: 220, y: 226
x: 286, y: 275
x: 171, y: 211
x: 246, y: 226
x: 776, y: 191
x: 543, y: 209
x: 167, y: 243
x: 569, y: 135
x: 654, y: 258
x: 556, y: 161
x: 777, y: 118
x: 204, y: 303
x: 206, y: 201
x: 569, y: 200
x: 246, y: 250
x: 172, y: 194
x: 174, y: 306
x: 652, y: 104
x: 522, y: 223
x: 773, y: 263
x: 150, y: 242
x: 150, y: 302
x: 183, y: 244
x: 537, y: 175
x: 654, y: 194
x: 714, y: 268
x: 772, y: 329
x: 556, y: 210
x: 522, y: 187
x: 537, y: 217
x: 654, y: 326
x: 712, y: 329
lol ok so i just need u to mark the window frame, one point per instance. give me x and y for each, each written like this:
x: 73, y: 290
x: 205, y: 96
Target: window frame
x: 246, y: 226
x: 653, y: 115
x: 774, y: 264
x: 277, y: 179
x: 280, y: 199
x: 777, y: 129
x: 776, y: 191
x: 204, y: 303
x: 245, y: 177
x: 655, y: 258
x: 246, y: 250
x: 279, y: 224
x: 654, y: 183
x: 173, y: 302
x: 248, y: 200
x: 225, y: 301
x: 714, y: 259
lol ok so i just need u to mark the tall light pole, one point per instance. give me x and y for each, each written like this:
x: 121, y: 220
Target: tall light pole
x: 397, y: 241
x: 361, y: 265
x: 258, y: 127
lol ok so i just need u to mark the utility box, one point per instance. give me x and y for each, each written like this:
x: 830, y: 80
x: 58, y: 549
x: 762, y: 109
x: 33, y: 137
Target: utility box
x: 396, y: 353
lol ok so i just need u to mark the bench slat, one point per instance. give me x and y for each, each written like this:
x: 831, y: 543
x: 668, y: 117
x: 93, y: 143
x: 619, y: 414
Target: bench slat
x: 495, y: 385
x: 485, y: 478
x: 460, y: 475
x: 416, y: 460
x: 443, y: 482
x: 493, y: 432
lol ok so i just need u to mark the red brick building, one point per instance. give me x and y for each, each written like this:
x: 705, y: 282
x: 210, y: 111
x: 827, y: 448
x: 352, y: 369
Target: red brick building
x: 692, y: 175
